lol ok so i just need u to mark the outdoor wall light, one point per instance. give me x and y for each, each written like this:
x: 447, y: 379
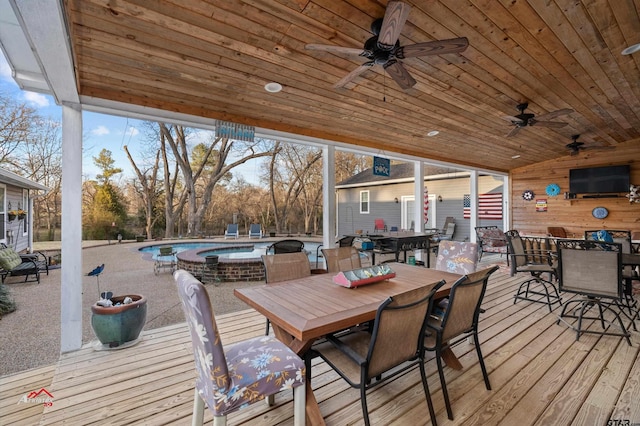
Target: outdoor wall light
x: 439, y: 198
x: 396, y: 200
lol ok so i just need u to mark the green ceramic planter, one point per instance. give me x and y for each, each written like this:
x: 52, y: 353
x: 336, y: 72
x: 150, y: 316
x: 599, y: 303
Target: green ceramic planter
x: 115, y: 325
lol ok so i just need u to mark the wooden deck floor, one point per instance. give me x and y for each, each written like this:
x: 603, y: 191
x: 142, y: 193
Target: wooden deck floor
x: 538, y: 372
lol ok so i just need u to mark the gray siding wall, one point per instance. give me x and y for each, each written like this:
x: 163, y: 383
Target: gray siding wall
x: 14, y: 231
x: 382, y: 204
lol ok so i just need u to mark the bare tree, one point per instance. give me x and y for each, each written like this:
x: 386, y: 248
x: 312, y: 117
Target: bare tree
x: 216, y: 160
x: 294, y: 176
x: 146, y: 188
x: 16, y: 123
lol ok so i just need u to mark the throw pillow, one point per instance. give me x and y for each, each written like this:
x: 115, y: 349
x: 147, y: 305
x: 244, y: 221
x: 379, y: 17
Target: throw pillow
x: 9, y: 259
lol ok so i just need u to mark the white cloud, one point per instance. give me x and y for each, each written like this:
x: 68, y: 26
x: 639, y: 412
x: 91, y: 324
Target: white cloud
x: 100, y: 131
x: 131, y: 131
x: 39, y: 100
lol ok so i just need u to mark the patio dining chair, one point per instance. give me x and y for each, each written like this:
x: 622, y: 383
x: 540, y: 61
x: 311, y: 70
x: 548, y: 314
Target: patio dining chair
x: 232, y: 377
x: 286, y: 246
x: 367, y: 358
x: 533, y: 255
x: 594, y: 270
x: 629, y: 273
x: 341, y: 259
x: 457, y: 257
x: 458, y: 322
x: 284, y: 267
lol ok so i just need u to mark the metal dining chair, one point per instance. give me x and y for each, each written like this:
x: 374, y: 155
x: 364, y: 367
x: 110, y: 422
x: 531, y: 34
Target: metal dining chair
x: 284, y: 267
x: 367, y: 358
x: 458, y: 322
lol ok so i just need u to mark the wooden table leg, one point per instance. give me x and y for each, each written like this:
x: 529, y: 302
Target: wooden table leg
x: 451, y: 359
x: 312, y: 409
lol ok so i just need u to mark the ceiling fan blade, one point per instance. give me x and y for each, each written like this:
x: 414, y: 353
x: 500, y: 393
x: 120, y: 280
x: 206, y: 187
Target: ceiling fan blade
x: 437, y: 47
x: 394, y: 19
x: 399, y: 74
x: 553, y: 114
x: 353, y: 74
x: 513, y: 120
x: 514, y: 131
x: 554, y: 124
x: 334, y: 49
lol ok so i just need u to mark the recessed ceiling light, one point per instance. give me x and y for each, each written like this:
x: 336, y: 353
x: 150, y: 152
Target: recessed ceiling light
x: 433, y: 133
x: 273, y: 87
x: 631, y: 49
x: 515, y: 156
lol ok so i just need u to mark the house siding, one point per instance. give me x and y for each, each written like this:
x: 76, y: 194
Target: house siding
x: 383, y: 205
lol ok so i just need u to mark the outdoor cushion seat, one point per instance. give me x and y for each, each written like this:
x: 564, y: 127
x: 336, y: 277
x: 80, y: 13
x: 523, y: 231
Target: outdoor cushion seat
x: 491, y: 239
x: 13, y: 264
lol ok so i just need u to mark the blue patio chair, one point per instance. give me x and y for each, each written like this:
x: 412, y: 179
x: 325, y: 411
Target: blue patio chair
x: 232, y: 231
x: 255, y: 230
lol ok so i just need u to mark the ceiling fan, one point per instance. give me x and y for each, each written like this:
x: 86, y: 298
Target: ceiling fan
x: 384, y: 48
x: 527, y: 119
x: 576, y: 146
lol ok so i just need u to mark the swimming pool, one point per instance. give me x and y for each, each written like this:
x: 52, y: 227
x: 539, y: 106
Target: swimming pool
x: 237, y: 261
x: 227, y: 250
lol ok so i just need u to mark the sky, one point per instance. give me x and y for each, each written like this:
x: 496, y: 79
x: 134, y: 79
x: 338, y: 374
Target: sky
x: 101, y: 131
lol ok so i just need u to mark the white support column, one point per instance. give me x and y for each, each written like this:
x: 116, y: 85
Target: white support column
x: 506, y: 203
x: 418, y: 204
x: 473, y: 193
x: 418, y: 194
x: 328, y: 195
x: 71, y: 281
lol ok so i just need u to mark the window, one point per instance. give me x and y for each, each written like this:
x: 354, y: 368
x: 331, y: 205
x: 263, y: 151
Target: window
x: 364, y: 202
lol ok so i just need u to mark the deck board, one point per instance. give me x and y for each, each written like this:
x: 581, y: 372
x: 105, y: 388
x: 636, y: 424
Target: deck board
x: 538, y: 371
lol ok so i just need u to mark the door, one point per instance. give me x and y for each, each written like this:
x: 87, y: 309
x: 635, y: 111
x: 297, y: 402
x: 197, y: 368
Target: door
x: 408, y: 202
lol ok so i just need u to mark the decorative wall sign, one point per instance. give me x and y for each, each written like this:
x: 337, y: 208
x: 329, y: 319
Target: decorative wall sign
x: 528, y: 195
x: 541, y: 205
x: 553, y: 190
x: 600, y: 212
x: 381, y: 166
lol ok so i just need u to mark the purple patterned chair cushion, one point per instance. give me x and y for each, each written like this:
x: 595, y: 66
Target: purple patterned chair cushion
x: 245, y: 372
x: 457, y: 257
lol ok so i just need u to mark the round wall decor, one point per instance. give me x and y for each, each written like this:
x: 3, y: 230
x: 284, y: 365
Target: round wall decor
x: 600, y: 212
x: 528, y: 195
x: 552, y: 189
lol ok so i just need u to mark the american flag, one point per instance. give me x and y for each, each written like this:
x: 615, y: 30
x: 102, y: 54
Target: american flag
x: 489, y: 206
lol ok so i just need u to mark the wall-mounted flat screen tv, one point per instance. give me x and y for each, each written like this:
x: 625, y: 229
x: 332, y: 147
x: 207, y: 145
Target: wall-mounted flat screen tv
x: 599, y: 180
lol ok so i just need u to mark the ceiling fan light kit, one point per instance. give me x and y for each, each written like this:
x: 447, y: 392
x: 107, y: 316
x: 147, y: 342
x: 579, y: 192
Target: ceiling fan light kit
x: 384, y: 47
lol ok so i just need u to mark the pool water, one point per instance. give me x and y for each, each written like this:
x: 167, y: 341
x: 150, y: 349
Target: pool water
x: 233, y: 251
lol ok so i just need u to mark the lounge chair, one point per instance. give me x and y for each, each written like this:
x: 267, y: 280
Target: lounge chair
x: 14, y: 264
x: 232, y: 231
x: 255, y: 230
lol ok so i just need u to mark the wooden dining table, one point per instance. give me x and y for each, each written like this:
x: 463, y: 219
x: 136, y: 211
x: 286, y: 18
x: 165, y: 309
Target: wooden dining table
x: 303, y: 310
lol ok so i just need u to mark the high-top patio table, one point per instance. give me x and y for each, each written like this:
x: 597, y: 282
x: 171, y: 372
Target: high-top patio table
x: 306, y: 309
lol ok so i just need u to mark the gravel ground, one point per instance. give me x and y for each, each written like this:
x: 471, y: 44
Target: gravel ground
x: 30, y: 336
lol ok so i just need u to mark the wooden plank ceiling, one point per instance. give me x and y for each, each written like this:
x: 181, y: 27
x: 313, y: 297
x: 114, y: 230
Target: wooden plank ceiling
x: 213, y: 59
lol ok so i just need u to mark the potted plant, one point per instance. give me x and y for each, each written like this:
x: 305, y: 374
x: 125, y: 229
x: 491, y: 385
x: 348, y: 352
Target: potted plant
x: 20, y: 214
x: 117, y: 320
